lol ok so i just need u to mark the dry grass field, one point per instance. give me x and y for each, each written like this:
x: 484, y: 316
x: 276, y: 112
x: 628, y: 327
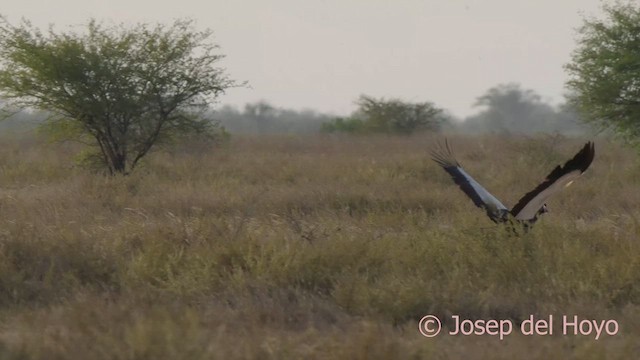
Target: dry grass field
x: 312, y: 248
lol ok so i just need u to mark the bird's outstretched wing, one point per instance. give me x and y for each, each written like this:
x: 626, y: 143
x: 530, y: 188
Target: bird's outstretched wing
x: 443, y: 155
x: 559, y: 178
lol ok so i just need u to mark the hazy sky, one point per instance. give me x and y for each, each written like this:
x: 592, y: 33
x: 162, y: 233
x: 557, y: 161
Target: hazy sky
x: 322, y: 54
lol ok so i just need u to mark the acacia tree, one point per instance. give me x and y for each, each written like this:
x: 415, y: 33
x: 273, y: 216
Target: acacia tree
x: 510, y: 108
x: 124, y: 88
x: 605, y: 71
x: 388, y: 116
x: 396, y: 116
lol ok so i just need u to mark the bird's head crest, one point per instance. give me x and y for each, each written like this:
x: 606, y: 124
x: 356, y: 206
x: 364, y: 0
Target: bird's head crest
x: 543, y: 210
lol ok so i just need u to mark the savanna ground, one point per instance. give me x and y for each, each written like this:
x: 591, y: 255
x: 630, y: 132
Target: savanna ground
x: 311, y: 248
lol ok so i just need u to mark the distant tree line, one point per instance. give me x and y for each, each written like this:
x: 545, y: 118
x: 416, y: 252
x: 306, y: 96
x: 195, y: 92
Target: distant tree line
x: 261, y: 118
x: 503, y: 109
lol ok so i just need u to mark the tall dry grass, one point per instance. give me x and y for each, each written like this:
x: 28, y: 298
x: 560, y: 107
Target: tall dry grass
x: 310, y: 247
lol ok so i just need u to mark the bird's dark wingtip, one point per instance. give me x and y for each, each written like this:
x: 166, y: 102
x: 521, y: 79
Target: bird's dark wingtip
x: 587, y: 154
x: 443, y: 155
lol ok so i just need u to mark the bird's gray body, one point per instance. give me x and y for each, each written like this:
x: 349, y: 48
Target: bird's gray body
x: 495, y: 209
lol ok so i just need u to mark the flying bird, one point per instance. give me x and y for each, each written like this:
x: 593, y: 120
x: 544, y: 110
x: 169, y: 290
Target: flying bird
x: 532, y: 204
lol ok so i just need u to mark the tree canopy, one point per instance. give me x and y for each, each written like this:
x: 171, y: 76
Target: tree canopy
x: 508, y: 109
x: 605, y: 71
x: 123, y: 88
x: 389, y: 116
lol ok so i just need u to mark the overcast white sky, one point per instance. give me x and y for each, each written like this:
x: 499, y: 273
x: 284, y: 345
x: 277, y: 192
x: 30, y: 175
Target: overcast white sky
x: 322, y: 54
